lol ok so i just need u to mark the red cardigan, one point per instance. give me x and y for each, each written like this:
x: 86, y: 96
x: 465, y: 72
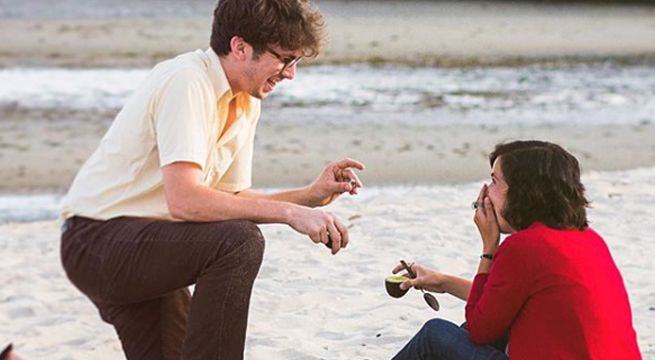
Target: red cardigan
x: 560, y: 295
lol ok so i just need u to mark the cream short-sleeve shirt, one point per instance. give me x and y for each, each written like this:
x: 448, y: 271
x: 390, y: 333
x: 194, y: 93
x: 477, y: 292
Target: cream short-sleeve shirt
x: 177, y: 114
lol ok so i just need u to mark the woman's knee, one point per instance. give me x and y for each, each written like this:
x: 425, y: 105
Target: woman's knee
x: 437, y: 324
x: 439, y: 332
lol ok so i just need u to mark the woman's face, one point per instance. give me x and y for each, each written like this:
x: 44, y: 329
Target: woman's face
x: 497, y: 192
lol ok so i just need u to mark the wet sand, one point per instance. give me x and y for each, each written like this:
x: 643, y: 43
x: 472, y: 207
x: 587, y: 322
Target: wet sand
x: 41, y: 150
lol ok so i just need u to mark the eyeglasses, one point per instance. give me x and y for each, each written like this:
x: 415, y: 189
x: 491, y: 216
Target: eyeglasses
x: 286, y: 62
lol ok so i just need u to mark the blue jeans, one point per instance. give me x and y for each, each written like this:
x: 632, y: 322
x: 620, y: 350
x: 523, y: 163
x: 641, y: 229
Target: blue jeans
x: 443, y: 340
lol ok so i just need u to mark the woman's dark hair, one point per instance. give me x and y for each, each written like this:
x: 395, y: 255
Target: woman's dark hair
x: 544, y: 185
x: 290, y: 24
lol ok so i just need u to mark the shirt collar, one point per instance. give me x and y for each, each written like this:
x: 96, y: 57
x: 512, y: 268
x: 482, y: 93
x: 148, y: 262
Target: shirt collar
x: 221, y: 85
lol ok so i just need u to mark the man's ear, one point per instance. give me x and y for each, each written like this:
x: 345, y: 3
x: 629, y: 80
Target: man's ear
x: 239, y: 48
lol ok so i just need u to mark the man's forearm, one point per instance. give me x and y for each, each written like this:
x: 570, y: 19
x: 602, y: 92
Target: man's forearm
x: 296, y: 196
x: 202, y: 203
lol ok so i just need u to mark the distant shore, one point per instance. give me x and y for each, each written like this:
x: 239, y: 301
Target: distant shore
x: 408, y: 32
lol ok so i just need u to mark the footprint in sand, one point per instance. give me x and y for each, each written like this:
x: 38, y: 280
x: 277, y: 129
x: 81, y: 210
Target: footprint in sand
x: 21, y: 312
x: 78, y: 342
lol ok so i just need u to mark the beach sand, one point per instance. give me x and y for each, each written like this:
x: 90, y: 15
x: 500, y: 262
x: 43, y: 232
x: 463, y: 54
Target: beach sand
x: 306, y: 303
x: 411, y: 32
x: 42, y: 149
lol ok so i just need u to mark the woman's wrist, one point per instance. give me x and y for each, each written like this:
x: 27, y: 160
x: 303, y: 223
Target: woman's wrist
x: 445, y: 282
x: 489, y: 250
x: 455, y: 286
x: 489, y: 247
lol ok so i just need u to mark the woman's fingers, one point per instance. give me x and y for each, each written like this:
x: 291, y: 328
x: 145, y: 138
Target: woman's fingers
x: 398, y: 268
x: 407, y: 284
x: 483, y: 191
x: 489, y: 207
x: 480, y: 209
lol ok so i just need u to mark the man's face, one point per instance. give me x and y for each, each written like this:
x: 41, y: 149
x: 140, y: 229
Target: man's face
x: 263, y: 73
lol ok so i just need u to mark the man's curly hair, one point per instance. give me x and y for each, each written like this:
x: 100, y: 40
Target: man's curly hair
x: 290, y: 24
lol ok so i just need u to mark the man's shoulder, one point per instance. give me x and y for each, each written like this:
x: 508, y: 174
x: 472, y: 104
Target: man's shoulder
x: 182, y: 72
x: 188, y: 65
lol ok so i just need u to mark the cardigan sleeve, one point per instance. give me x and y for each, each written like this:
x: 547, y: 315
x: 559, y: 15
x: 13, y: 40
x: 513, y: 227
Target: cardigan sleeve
x: 496, y: 298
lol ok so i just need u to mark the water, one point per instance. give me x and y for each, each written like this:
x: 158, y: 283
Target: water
x: 587, y: 94
x: 28, y: 208
x: 600, y: 187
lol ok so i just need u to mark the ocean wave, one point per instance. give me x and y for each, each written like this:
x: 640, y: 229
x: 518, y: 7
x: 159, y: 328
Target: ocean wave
x: 29, y: 208
x: 592, y: 92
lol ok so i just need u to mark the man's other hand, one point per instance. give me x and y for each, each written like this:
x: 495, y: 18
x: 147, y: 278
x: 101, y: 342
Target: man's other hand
x: 321, y: 227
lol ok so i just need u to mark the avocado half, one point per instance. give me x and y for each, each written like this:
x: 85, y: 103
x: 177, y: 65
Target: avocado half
x: 392, y: 284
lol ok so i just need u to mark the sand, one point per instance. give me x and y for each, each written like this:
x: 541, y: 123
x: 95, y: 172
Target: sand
x: 41, y: 150
x: 308, y: 304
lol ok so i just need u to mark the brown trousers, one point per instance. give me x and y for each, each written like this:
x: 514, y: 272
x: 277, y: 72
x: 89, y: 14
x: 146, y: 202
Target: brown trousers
x: 136, y: 271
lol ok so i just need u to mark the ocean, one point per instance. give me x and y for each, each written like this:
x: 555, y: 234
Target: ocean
x: 588, y: 94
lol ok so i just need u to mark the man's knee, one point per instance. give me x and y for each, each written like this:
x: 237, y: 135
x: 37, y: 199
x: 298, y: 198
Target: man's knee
x: 245, y: 238
x: 248, y: 248
x: 251, y: 232
x: 252, y: 238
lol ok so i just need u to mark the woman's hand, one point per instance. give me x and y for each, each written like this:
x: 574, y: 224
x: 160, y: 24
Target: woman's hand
x: 426, y: 279
x: 485, y: 220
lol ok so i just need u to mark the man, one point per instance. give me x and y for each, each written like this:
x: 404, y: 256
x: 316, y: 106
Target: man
x: 164, y: 202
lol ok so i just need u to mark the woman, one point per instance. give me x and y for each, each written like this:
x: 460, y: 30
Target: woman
x: 552, y: 285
